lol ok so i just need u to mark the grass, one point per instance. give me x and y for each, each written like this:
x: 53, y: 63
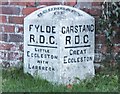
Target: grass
x: 16, y: 81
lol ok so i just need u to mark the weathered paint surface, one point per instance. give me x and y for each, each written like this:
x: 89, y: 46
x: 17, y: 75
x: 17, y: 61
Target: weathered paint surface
x: 59, y: 44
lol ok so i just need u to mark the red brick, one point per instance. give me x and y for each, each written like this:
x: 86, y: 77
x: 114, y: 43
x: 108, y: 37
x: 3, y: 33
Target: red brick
x: 96, y: 3
x: 28, y: 10
x: 116, y: 49
x: 21, y: 47
x: 11, y: 10
x: 13, y: 56
x: 15, y: 38
x: 49, y: 2
x: 100, y: 39
x: 96, y: 47
x: 21, y: 58
x: 18, y: 3
x: 16, y: 20
x: 8, y: 28
x: 116, y: 41
x: 20, y: 29
x: 71, y: 2
x: 3, y: 19
x: 3, y: 37
x: 93, y: 11
x: 4, y: 3
x: 116, y: 38
x: 4, y: 46
x: 1, y: 28
x: 30, y: 4
x: 53, y: 2
x: 103, y: 49
x: 117, y: 29
x: 86, y: 10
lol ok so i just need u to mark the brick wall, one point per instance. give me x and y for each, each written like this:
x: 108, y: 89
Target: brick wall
x: 11, y: 27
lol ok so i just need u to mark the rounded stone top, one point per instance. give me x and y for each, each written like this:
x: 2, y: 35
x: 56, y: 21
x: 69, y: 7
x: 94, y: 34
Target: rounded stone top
x: 50, y: 12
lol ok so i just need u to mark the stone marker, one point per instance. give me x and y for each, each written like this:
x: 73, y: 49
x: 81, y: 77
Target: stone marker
x: 59, y: 44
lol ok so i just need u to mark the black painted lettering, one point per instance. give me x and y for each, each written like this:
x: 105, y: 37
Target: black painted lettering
x: 67, y: 29
x: 65, y: 59
x: 49, y: 69
x: 80, y: 28
x: 28, y: 53
x: 63, y: 30
x: 77, y: 39
x: 51, y: 39
x: 68, y: 40
x: 89, y: 27
x: 71, y: 29
x: 37, y: 27
x: 85, y: 38
x: 42, y: 39
x: 30, y: 27
x: 76, y: 29
x: 46, y: 68
x: 48, y: 29
x: 44, y: 11
x: 43, y: 68
x: 83, y: 28
x: 41, y: 29
x: 53, y: 69
x: 51, y: 56
x: 69, y: 60
x: 29, y: 66
x: 39, y: 67
x: 53, y: 28
x: 40, y: 14
x: 31, y: 54
x: 92, y: 27
x: 71, y: 52
x: 32, y: 38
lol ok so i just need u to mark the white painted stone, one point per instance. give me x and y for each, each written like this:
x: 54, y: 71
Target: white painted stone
x: 55, y: 52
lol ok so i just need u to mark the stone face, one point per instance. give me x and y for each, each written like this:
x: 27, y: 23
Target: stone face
x: 59, y: 44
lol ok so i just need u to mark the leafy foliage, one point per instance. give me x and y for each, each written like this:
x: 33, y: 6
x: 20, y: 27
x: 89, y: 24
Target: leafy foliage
x: 109, y: 21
